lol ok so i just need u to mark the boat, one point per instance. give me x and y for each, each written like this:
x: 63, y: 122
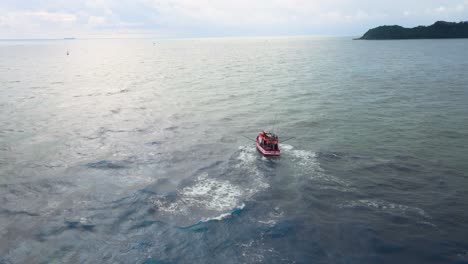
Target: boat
x: 267, y: 144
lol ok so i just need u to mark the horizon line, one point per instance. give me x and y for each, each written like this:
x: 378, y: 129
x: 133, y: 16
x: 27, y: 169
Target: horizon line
x: 187, y: 37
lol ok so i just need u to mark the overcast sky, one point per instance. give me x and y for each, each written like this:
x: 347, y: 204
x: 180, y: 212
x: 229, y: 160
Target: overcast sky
x: 204, y: 18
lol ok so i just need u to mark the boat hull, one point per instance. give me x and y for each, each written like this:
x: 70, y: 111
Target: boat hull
x: 268, y: 153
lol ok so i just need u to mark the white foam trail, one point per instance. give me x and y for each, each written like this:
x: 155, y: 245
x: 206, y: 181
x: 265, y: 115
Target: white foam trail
x: 246, y: 156
x: 212, y: 194
x: 167, y: 207
x: 248, y: 161
x: 272, y: 217
x: 218, y: 194
x: 207, y: 193
x: 270, y: 222
x: 285, y: 147
x: 255, y: 251
x: 223, y: 216
x: 217, y: 218
x: 385, y: 206
x: 306, y: 162
x: 302, y: 157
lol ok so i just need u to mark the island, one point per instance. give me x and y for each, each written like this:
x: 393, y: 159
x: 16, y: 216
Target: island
x: 439, y: 30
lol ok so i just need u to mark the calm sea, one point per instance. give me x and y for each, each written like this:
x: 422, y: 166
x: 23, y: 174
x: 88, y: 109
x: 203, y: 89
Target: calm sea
x: 132, y: 151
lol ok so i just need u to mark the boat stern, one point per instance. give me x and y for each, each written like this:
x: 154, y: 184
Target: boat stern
x: 268, y: 153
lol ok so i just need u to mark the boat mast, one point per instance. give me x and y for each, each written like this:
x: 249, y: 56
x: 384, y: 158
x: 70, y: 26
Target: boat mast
x: 274, y: 122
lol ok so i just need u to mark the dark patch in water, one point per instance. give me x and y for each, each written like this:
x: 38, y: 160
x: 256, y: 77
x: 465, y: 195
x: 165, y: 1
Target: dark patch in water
x: 399, y: 219
x: 93, y: 94
x: 389, y: 166
x: 119, y: 92
x: 196, y: 228
x: 331, y: 156
x: 5, y: 148
x: 106, y: 164
x: 41, y: 186
x: 307, y: 124
x: 171, y: 128
x: 79, y: 226
x: 228, y: 140
x: 68, y: 225
x: 162, y: 186
x: 124, y: 217
x: 147, y: 191
x: 282, y: 229
x: 10, y: 212
x: 142, y: 246
x: 104, y: 130
x: 116, y: 111
x: 405, y: 183
x: 156, y: 261
x: 156, y: 142
x: 140, y: 130
x: 146, y: 223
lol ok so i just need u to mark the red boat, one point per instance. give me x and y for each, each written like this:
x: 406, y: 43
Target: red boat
x: 267, y: 143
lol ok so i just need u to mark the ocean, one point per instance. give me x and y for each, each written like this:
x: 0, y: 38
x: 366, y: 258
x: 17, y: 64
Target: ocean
x: 134, y: 151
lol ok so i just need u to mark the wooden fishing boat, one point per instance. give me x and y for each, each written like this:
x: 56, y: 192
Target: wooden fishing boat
x: 267, y: 143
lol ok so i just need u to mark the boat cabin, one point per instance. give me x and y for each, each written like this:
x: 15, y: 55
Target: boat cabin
x: 267, y: 143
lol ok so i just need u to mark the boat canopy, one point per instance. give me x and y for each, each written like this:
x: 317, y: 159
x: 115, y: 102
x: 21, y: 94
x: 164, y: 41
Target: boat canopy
x: 269, y: 138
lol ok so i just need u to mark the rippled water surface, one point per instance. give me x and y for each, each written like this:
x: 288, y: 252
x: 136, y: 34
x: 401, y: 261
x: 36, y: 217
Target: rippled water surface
x: 129, y: 151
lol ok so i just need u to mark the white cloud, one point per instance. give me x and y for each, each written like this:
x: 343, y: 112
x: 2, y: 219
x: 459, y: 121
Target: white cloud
x: 96, y: 20
x: 50, y: 18
x: 440, y: 9
x: 15, y: 18
x: 449, y: 11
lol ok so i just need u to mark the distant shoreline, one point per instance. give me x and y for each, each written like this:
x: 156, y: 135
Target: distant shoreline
x: 438, y: 30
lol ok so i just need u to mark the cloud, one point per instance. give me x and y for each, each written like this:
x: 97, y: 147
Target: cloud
x: 440, y: 9
x: 49, y: 18
x: 96, y: 20
x: 52, y: 17
x: 31, y: 24
x: 16, y: 18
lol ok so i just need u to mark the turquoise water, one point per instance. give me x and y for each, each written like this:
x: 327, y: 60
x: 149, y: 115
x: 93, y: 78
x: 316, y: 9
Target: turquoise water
x: 129, y: 151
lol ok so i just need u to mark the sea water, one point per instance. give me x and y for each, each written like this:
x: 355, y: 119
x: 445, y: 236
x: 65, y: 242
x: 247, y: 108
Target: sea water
x: 132, y: 151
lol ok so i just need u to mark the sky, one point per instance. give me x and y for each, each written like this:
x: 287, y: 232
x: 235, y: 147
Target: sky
x: 216, y: 18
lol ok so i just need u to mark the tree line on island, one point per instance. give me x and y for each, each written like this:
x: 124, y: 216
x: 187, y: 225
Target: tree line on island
x: 438, y: 30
